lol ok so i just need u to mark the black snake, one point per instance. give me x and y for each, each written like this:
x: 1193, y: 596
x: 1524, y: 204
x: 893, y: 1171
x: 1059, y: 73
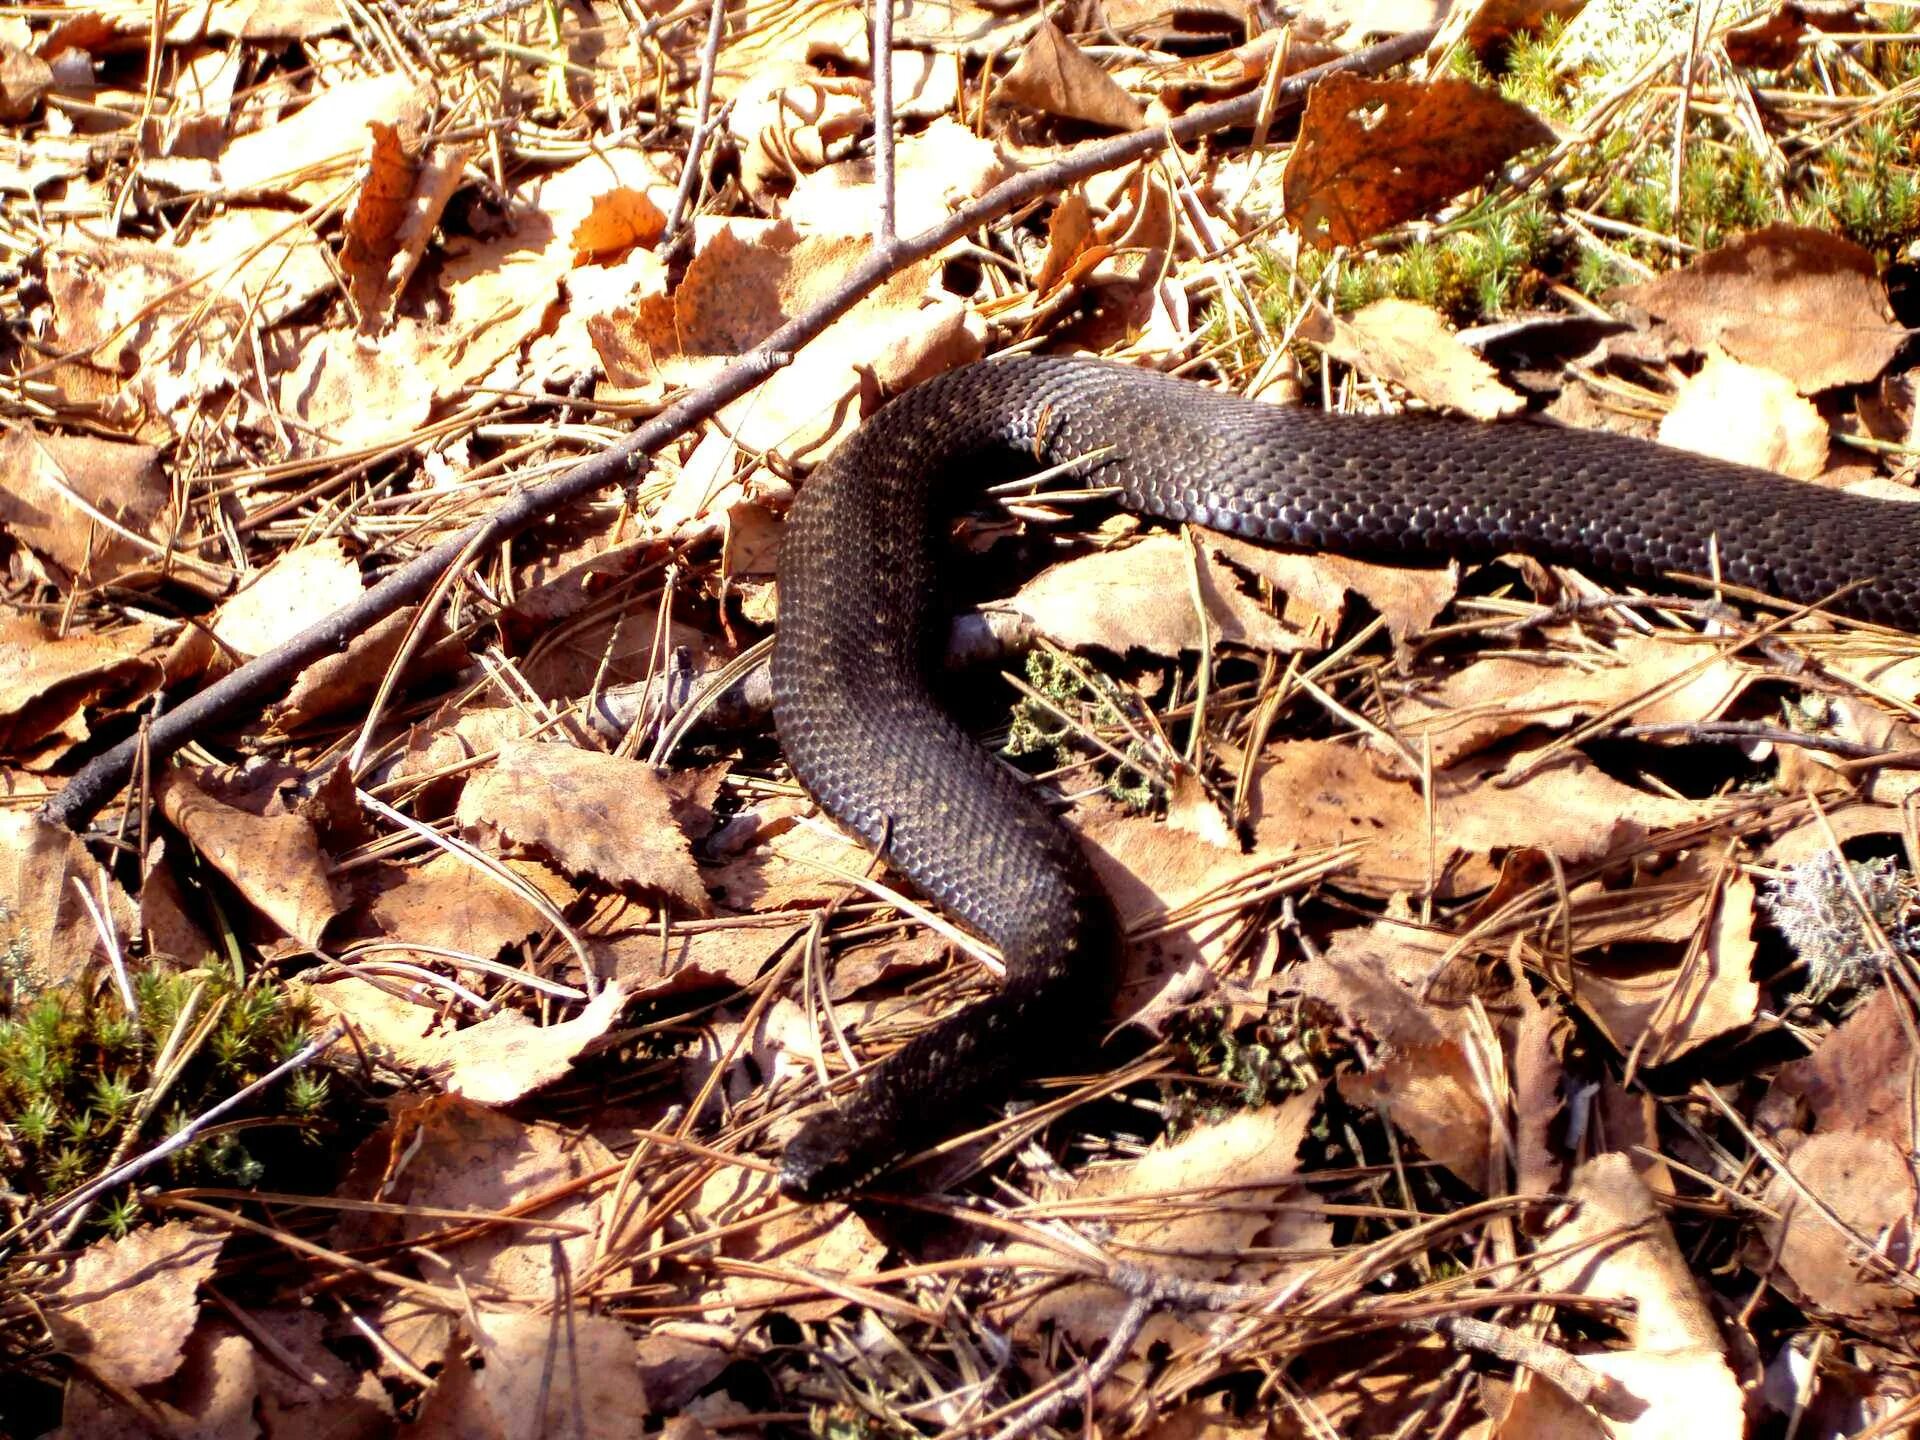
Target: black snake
x: 859, y: 612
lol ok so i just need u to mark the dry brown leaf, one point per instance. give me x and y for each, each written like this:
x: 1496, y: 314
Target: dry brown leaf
x: 750, y: 277
x: 1150, y: 869
x: 1162, y: 1205
x: 541, y: 1374
x: 451, y: 903
x: 1052, y: 76
x: 1668, y: 1007
x: 350, y: 679
x: 1141, y: 596
x: 781, y: 1250
x: 127, y: 1306
x: 1323, y: 793
x: 649, y: 966
x: 274, y: 860
x: 1407, y: 597
x: 45, y: 929
x: 322, y: 1397
x: 620, y: 220
x: 303, y: 585
x: 175, y: 324
x: 1476, y: 706
x: 306, y: 156
x: 1430, y: 1093
x: 24, y: 80
x: 1372, y: 153
x: 1748, y: 415
x: 935, y: 172
x: 1411, y: 346
x: 594, y: 814
x: 1803, y: 303
x: 49, y: 484
x: 495, y: 1062
x: 1867, y: 1184
x: 1618, y: 1247
x: 372, y: 223
x: 1539, y: 1086
x: 448, y: 1153
x: 787, y: 866
x: 46, y: 682
x: 1862, y: 1076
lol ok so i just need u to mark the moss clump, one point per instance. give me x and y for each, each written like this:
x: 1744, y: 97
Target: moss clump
x: 1070, y: 687
x: 78, y: 1083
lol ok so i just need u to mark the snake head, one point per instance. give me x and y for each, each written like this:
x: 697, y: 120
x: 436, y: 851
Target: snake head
x: 834, y: 1155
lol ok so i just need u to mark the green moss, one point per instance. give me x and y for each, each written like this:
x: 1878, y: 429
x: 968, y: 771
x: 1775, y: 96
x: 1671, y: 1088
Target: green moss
x: 75, y: 1072
x: 1074, y: 688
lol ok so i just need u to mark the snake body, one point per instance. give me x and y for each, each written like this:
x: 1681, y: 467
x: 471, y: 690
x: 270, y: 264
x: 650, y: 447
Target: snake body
x: 860, y: 615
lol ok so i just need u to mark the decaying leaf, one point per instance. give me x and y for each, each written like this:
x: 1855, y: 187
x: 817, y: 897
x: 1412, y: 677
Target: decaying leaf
x: 1372, y: 153
x: 1803, y: 303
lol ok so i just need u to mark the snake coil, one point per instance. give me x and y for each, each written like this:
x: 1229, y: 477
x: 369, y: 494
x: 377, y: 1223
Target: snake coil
x: 859, y: 577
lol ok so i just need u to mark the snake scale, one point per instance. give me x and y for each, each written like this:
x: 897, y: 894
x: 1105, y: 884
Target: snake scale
x: 860, y: 615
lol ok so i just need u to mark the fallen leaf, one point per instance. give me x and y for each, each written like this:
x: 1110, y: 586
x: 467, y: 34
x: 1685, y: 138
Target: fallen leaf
x: 301, y: 586
x: 1777, y: 429
x: 1615, y: 1245
x: 1051, y: 75
x: 1162, y: 1205
x: 127, y: 1306
x: 1325, y: 793
x: 273, y: 860
x: 69, y: 497
x: 45, y: 929
x: 47, y: 681
x: 1803, y: 303
x: 495, y: 1062
x: 1411, y: 346
x: 1372, y: 153
x: 561, y: 1373
x: 1847, y: 1259
x: 1646, y: 679
x: 593, y: 813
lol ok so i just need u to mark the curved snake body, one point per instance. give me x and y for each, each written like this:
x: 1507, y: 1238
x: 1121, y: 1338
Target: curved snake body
x: 859, y: 615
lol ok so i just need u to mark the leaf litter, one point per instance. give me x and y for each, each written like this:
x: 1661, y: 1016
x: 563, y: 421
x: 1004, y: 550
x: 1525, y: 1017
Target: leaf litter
x: 1516, y: 1028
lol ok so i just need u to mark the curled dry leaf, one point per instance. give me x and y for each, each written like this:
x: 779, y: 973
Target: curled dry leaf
x: 1738, y: 412
x: 495, y: 1062
x: 1052, y: 76
x: 273, y: 859
x: 1662, y: 1009
x: 448, y: 1153
x: 1411, y: 346
x: 372, y: 222
x: 1860, y: 1079
x: 1372, y: 153
x: 46, y: 682
x: 1802, y: 303
x: 306, y: 156
x: 594, y: 814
